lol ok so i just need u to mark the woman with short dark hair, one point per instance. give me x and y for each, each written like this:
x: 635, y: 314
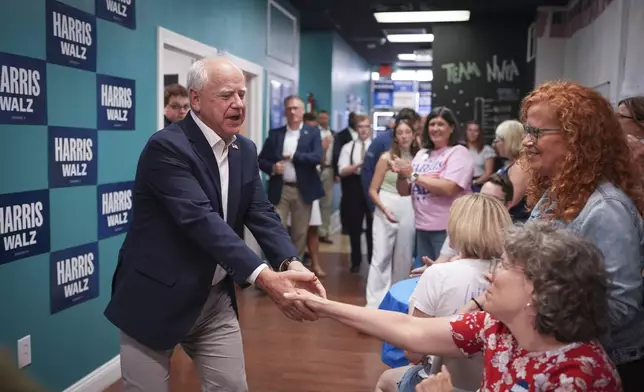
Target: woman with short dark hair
x: 545, y: 308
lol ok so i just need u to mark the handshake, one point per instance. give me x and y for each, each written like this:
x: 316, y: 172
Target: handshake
x: 295, y: 292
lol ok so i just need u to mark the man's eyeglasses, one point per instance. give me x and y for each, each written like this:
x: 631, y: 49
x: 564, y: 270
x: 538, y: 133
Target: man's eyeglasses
x: 535, y: 132
x: 176, y: 106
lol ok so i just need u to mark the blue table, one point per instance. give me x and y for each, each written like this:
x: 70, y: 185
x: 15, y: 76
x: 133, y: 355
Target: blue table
x: 397, y: 300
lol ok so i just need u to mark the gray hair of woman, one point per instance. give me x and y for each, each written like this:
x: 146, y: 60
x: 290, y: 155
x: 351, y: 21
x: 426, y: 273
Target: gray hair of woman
x: 568, y: 282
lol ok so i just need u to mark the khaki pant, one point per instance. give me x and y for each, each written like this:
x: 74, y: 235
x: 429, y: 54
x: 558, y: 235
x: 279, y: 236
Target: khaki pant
x: 326, y: 203
x: 291, y: 203
x: 214, y: 343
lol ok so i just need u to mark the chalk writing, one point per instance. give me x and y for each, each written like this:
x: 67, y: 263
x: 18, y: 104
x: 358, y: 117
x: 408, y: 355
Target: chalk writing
x: 457, y: 72
x: 504, y: 72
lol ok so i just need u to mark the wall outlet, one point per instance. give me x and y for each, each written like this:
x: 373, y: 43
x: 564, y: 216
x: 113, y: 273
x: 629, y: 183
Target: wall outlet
x: 24, y: 351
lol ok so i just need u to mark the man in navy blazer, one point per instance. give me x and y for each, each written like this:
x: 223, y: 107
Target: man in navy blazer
x: 290, y: 157
x: 197, y: 184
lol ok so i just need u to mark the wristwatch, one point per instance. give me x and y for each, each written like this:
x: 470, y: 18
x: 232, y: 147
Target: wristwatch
x: 411, y: 179
x: 287, y: 262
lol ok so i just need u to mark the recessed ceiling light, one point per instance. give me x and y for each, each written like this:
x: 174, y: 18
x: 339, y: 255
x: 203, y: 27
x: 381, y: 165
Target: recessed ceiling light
x: 422, y: 16
x: 410, y: 38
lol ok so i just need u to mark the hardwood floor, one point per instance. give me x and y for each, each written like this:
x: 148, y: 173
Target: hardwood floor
x: 285, y: 356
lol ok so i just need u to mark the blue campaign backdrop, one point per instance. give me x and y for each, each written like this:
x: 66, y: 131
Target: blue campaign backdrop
x: 73, y: 276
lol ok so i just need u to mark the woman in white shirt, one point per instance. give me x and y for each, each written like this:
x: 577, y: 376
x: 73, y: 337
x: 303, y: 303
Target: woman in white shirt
x: 393, y: 219
x: 476, y: 227
x: 482, y: 155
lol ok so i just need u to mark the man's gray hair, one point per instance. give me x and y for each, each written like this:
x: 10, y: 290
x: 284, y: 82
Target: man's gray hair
x: 198, y: 72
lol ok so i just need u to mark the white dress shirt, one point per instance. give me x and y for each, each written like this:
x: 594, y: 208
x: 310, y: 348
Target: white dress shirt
x: 220, y: 150
x: 290, y: 145
x: 345, y: 154
x: 328, y: 158
x: 354, y: 133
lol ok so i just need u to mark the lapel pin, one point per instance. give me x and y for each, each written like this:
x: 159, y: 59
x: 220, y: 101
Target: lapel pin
x: 235, y: 146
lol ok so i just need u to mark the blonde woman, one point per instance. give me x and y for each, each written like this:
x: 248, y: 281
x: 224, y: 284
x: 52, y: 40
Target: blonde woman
x: 476, y: 228
x: 393, y: 219
x: 509, y: 142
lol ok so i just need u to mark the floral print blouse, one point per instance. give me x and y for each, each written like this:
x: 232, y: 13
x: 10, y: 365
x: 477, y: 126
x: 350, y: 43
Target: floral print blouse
x: 575, y: 367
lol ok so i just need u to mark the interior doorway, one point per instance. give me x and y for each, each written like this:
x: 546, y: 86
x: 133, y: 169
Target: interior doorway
x: 175, y: 54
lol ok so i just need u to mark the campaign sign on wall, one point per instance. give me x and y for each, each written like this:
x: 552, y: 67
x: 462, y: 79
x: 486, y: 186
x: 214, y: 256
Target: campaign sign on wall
x: 114, y: 208
x: 383, y: 94
x: 73, y: 276
x: 71, y: 36
x: 24, y: 225
x: 277, y: 107
x: 114, y: 102
x: 117, y: 11
x: 23, y: 90
x: 72, y: 157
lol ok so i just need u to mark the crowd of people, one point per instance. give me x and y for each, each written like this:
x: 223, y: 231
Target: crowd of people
x: 533, y: 276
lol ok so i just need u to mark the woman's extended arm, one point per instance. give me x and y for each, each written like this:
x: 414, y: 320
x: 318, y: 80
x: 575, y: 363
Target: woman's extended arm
x: 427, y: 335
x: 376, y: 181
x: 438, y: 186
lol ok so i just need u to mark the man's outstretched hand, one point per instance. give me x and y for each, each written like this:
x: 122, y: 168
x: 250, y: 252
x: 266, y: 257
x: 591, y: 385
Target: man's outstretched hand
x: 314, y: 286
x: 275, y: 284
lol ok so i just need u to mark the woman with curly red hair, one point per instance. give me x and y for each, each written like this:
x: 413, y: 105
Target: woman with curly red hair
x: 582, y: 178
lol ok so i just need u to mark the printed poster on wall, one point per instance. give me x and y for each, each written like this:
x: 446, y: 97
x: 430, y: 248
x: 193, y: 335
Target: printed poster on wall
x: 287, y: 90
x: 73, y: 276
x: 383, y: 94
x: 24, y: 225
x: 114, y: 208
x: 277, y: 111
x: 72, y: 157
x: 23, y: 90
x: 118, y: 11
x: 71, y: 37
x: 115, y: 103
x: 424, y: 98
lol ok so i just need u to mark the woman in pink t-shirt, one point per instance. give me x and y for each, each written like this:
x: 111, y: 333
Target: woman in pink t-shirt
x: 439, y: 173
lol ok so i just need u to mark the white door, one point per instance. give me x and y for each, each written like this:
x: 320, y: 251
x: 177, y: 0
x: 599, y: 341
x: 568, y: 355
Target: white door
x: 176, y: 65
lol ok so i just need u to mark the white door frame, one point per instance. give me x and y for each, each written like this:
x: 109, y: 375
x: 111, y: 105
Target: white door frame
x: 254, y: 125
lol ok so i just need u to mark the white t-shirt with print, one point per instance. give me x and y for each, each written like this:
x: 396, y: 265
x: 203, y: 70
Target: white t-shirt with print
x: 441, y: 291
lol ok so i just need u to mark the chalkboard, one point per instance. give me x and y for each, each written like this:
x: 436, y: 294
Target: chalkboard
x: 481, y: 72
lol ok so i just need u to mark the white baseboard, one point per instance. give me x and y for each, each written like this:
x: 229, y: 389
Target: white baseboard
x: 100, y: 379
x: 336, y: 225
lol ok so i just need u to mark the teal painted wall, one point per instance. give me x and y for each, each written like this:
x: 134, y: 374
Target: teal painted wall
x: 316, y: 62
x: 70, y: 344
x: 351, y: 75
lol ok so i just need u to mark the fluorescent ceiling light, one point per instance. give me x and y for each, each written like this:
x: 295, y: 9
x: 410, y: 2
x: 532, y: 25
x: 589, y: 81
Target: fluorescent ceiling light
x: 407, y: 57
x: 422, y: 16
x: 424, y: 75
x: 410, y: 38
x: 420, y: 75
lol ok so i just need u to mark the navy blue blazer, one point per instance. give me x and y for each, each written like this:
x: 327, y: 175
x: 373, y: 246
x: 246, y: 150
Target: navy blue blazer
x: 307, y: 156
x: 178, y: 235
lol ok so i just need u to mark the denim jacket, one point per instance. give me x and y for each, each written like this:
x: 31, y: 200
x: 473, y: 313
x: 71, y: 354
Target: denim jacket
x: 611, y: 221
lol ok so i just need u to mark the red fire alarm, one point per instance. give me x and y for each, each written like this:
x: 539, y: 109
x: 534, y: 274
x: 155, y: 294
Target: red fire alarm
x: 385, y: 70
